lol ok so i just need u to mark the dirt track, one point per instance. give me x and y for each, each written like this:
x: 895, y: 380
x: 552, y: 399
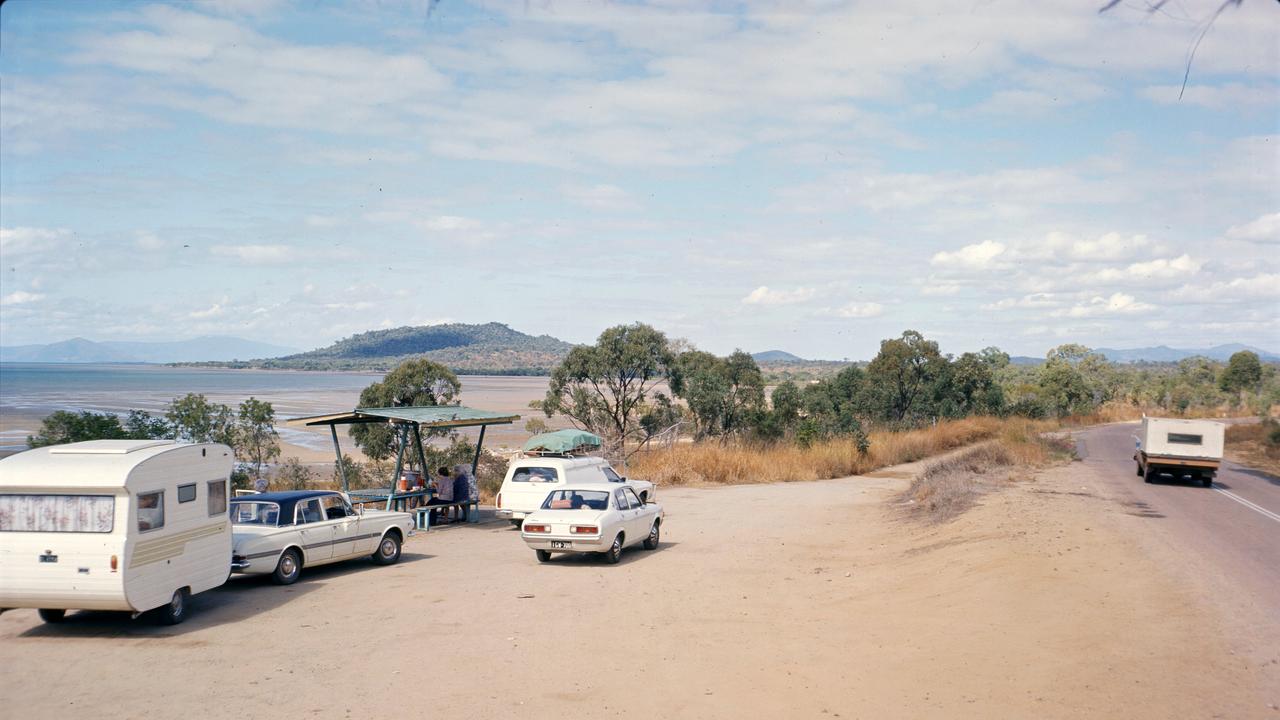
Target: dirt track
x: 800, y: 600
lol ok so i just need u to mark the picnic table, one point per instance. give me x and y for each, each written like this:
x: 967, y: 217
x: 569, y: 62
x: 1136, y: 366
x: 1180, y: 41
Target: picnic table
x: 414, y: 501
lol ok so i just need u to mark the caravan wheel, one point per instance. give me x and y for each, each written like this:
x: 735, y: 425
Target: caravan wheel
x: 176, y: 611
x: 51, y: 615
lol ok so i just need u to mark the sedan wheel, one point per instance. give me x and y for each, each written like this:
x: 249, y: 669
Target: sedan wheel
x: 651, y: 542
x: 288, y: 569
x: 543, y: 555
x: 615, y: 551
x: 388, y: 550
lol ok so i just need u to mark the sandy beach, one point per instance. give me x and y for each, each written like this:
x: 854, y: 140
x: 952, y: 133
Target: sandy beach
x: 799, y: 600
x: 21, y: 416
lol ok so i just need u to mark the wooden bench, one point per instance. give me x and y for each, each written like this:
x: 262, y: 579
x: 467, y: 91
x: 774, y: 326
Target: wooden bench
x: 470, y: 510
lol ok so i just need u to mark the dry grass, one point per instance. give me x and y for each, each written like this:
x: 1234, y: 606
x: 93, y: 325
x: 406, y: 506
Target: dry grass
x: 1250, y: 444
x: 952, y: 485
x: 738, y: 463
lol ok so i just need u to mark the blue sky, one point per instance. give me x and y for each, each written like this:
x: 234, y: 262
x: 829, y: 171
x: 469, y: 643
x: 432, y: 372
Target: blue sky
x: 813, y: 177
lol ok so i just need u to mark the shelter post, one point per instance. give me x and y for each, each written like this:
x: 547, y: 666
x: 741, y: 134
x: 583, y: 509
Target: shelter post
x: 402, y: 434
x: 421, y: 454
x: 475, y: 461
x: 342, y: 467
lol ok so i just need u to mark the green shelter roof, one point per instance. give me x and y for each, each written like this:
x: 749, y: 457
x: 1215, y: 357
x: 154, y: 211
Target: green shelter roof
x: 432, y: 416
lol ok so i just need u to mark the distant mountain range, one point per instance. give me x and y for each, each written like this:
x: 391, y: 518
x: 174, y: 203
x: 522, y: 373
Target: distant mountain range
x: 1163, y: 353
x: 492, y: 348
x: 80, y: 350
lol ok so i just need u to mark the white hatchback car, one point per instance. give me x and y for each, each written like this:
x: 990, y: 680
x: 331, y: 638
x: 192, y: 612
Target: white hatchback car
x: 279, y: 533
x: 529, y: 479
x: 592, y: 517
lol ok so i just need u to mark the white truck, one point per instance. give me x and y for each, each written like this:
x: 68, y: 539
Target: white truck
x: 1179, y: 448
x: 129, y: 525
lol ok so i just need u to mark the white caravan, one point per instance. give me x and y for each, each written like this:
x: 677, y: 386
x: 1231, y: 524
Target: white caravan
x: 113, y: 525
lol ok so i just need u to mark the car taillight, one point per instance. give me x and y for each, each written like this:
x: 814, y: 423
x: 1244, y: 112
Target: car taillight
x: 536, y: 528
x: 115, y: 563
x: 584, y: 529
x: 499, y: 502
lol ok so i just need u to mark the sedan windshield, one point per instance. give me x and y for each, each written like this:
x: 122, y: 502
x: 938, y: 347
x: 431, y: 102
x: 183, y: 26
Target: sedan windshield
x: 576, y: 500
x: 247, y: 512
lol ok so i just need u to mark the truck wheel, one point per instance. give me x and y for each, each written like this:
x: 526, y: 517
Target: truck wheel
x: 288, y: 568
x: 517, y: 523
x: 1139, y: 469
x: 176, y: 611
x: 1207, y: 480
x: 52, y: 615
x: 1149, y: 476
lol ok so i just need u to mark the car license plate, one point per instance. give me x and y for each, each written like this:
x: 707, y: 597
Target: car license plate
x: 559, y: 544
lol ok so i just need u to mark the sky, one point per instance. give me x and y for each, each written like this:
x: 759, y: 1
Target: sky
x: 812, y: 177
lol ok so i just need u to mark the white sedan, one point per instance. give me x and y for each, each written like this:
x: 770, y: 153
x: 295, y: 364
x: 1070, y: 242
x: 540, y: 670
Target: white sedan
x: 280, y: 533
x: 592, y: 517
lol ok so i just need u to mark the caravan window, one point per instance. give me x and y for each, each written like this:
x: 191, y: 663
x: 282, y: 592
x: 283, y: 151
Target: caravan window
x: 151, y: 510
x: 1185, y: 439
x: 187, y: 493
x: 217, y: 497
x: 57, y: 513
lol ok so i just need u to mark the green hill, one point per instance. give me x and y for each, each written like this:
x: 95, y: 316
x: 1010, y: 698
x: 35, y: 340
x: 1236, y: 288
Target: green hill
x: 492, y: 348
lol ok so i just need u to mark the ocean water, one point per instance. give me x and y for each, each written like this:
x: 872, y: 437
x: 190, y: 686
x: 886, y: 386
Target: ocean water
x: 30, y: 391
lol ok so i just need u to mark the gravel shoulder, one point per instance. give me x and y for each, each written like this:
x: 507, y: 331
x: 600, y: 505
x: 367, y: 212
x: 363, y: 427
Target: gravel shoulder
x: 799, y: 600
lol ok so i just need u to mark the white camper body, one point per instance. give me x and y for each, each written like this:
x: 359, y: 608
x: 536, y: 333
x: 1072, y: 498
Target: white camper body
x: 1180, y: 447
x: 113, y: 525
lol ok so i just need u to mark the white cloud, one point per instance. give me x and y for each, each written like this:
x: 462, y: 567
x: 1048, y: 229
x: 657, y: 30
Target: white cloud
x: 216, y: 310
x: 765, y: 296
x: 1034, y: 300
x: 449, y: 223
x: 256, y: 254
x: 1117, y: 304
x: 974, y: 257
x: 854, y: 310
x: 149, y: 241
x: 1108, y: 246
x: 20, y: 297
x: 26, y: 240
x: 1265, y: 229
x: 1181, y: 267
x: 1234, y: 96
x: 601, y: 197
x: 1262, y: 286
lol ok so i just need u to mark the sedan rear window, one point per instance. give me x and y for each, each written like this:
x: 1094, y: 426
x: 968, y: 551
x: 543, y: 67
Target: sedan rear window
x: 534, y: 474
x: 255, y: 513
x: 576, y: 500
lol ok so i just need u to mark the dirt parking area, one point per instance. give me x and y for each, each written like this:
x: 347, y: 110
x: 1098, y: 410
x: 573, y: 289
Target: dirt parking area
x: 798, y: 600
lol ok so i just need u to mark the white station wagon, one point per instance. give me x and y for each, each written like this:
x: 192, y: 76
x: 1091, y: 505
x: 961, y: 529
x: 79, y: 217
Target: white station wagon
x: 280, y: 533
x: 592, y: 517
x: 529, y: 479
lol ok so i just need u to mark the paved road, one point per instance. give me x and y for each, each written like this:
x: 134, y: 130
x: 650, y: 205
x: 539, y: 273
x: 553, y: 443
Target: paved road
x: 1228, y: 535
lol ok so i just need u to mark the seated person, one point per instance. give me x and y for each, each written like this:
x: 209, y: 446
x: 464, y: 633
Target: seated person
x: 444, y: 492
x: 461, y: 492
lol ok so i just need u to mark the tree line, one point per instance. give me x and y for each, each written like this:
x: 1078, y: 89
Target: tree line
x: 634, y: 384
x: 248, y: 429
